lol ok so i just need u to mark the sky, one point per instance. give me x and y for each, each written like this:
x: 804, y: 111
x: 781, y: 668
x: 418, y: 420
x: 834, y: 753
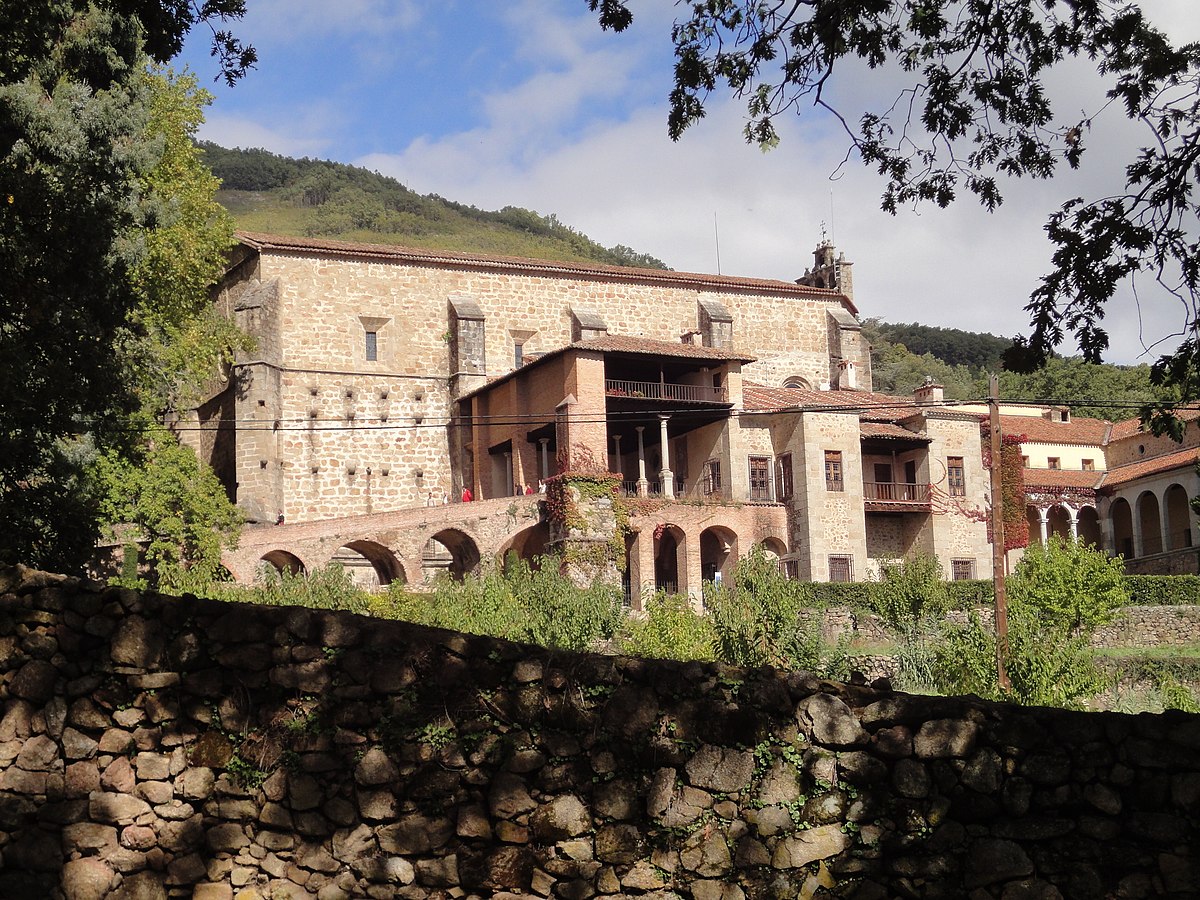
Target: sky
x: 529, y: 103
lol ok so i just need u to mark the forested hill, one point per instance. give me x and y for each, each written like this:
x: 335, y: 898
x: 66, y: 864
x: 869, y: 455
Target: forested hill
x: 315, y: 198
x: 902, y: 356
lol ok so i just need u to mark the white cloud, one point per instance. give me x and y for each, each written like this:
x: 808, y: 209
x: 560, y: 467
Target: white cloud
x: 231, y: 131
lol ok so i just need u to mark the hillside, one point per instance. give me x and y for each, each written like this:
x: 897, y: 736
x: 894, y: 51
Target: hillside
x: 316, y: 198
x: 903, y: 355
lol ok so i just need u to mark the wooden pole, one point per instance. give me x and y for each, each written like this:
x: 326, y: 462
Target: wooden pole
x: 998, y: 534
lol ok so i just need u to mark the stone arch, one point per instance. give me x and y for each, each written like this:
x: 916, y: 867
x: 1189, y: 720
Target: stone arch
x: 451, y: 551
x: 1058, y: 522
x: 1178, y: 517
x: 795, y: 381
x: 773, y: 547
x: 718, y: 553
x: 1088, y: 528
x: 370, y: 565
x: 1033, y: 516
x: 1121, y: 518
x: 282, y: 561
x: 1149, y: 523
x: 528, y: 543
x: 670, y: 559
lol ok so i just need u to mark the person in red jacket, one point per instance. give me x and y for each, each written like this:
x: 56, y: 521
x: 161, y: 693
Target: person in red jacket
x: 467, y: 497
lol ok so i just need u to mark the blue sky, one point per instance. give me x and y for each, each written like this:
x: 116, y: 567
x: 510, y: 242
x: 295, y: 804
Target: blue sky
x: 529, y: 103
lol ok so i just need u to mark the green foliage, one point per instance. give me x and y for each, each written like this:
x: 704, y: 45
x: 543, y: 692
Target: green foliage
x: 976, y: 351
x: 518, y: 602
x: 178, y: 506
x: 1163, y: 590
x: 329, y: 587
x: 760, y: 617
x: 1069, y: 584
x: 83, y: 203
x: 911, y: 593
x: 1047, y: 664
x: 316, y: 198
x: 670, y: 629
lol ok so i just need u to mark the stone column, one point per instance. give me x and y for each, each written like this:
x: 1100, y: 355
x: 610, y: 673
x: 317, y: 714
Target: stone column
x: 545, y: 442
x: 1043, y: 522
x: 1073, y: 519
x: 617, y: 457
x: 509, y: 489
x: 666, y: 478
x: 643, y: 486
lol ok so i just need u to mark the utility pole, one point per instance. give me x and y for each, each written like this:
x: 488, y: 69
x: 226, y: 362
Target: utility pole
x: 998, y: 534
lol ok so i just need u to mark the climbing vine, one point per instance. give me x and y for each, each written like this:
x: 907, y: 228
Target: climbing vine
x: 583, y: 483
x: 1012, y: 490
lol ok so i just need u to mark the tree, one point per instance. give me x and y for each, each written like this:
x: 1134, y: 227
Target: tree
x: 1069, y: 584
x: 975, y: 108
x: 73, y: 110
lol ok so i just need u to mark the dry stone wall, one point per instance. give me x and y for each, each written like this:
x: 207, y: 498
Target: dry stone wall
x: 153, y: 747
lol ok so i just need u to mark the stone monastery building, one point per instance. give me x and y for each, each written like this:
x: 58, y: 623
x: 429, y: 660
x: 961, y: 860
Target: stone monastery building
x: 390, y: 384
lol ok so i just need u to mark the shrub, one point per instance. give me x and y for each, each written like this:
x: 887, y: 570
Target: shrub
x: 1047, y: 663
x: 670, y: 629
x: 910, y: 593
x: 1163, y: 590
x: 759, y: 617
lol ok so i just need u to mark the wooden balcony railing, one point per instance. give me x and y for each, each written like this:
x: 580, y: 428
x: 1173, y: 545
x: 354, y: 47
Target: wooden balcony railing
x: 897, y: 492
x: 655, y: 390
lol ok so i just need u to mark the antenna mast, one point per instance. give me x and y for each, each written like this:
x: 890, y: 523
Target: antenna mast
x: 717, y: 241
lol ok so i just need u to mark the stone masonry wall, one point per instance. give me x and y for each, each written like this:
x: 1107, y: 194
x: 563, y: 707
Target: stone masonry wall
x: 153, y: 747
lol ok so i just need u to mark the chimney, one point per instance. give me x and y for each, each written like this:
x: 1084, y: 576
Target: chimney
x: 848, y: 379
x: 929, y: 391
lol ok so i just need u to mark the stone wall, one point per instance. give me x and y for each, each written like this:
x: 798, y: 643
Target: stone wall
x: 152, y: 747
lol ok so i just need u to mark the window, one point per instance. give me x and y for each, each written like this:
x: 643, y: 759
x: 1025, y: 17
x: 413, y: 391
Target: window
x: 518, y: 353
x: 955, y: 476
x: 760, y: 478
x: 962, y: 569
x: 1088, y: 465
x: 840, y: 568
x: 372, y: 346
x: 712, y: 476
x: 1052, y: 462
x: 833, y: 471
x: 791, y: 568
x: 784, y: 485
x: 1025, y: 462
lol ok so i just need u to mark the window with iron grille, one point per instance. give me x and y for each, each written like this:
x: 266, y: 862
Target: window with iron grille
x: 841, y: 568
x: 833, y: 471
x: 956, y: 476
x: 785, y: 485
x: 760, y: 478
x: 962, y: 569
x: 791, y: 568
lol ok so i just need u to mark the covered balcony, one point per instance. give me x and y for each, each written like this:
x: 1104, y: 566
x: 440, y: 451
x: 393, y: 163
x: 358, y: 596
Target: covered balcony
x: 895, y: 469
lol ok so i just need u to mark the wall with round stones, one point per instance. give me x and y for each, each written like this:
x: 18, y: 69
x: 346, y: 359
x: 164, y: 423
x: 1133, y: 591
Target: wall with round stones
x: 153, y: 747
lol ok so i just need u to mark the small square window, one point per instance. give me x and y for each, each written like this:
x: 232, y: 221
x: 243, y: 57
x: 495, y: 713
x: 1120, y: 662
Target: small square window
x: 1088, y: 465
x: 962, y: 569
x: 1052, y: 462
x: 372, y: 346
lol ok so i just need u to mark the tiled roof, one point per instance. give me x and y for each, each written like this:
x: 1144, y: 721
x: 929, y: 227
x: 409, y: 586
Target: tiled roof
x: 1036, y: 430
x: 1130, y: 427
x: 1061, y: 478
x: 551, y: 267
x: 869, y: 405
x: 888, y: 431
x: 1155, y: 466
x: 621, y: 343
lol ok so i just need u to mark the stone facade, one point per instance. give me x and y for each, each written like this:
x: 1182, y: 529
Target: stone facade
x: 155, y: 748
x: 386, y: 380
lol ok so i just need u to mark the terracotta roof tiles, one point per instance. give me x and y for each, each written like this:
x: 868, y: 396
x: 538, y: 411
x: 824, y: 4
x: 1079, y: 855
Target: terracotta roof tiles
x: 1154, y: 466
x: 1061, y: 478
x: 1036, y: 430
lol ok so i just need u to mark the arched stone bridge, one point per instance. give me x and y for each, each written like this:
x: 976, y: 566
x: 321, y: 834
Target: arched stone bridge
x: 405, y: 546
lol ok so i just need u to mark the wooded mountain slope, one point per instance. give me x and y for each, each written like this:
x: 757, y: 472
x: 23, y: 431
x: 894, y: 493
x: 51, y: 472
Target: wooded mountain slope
x: 317, y: 198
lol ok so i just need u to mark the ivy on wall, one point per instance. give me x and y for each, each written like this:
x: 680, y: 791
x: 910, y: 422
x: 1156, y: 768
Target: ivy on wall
x: 573, y: 500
